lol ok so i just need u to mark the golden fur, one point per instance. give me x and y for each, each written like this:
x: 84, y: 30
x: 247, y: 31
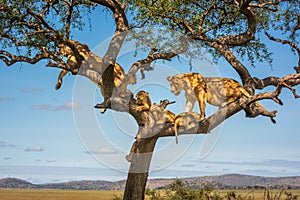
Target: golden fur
x: 223, y: 91
x: 195, y: 90
x: 143, y: 101
x: 160, y: 115
x: 214, y: 90
x: 109, y: 82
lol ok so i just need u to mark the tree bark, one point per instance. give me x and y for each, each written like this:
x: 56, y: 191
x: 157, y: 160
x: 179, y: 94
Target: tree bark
x: 139, y: 168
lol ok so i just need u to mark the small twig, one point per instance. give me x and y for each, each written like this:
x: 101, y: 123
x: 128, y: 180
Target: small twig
x: 292, y: 89
x: 164, y: 103
x: 152, y: 56
x: 293, y: 45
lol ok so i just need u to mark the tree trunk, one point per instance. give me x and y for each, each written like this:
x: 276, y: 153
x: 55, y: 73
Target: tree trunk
x: 138, y: 172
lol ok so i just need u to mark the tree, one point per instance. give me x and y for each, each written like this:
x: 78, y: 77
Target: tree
x: 229, y: 29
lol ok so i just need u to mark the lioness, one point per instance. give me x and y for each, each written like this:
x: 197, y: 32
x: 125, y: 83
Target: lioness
x: 109, y: 81
x: 215, y: 91
x: 195, y: 90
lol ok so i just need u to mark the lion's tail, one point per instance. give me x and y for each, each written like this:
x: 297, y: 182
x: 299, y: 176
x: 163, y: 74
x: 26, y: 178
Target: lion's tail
x: 176, y: 129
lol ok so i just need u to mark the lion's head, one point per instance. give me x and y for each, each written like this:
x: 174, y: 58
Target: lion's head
x: 176, y: 84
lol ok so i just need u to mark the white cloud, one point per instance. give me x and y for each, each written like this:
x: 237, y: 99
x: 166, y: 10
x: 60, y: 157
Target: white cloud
x: 67, y: 106
x: 31, y: 90
x: 6, y: 99
x: 104, y: 151
x: 34, y: 149
x: 41, y: 107
x: 3, y: 144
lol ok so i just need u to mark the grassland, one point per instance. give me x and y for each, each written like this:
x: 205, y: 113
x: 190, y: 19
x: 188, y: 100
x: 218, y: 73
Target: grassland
x: 257, y: 194
x: 58, y: 194
x: 7, y: 194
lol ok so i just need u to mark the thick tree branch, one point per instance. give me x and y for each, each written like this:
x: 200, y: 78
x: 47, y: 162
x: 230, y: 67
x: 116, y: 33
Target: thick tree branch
x: 69, y: 17
x: 243, y: 38
x: 120, y: 33
x: 235, y: 63
x: 208, y: 124
x: 11, y: 59
x: 222, y: 114
x: 288, y: 81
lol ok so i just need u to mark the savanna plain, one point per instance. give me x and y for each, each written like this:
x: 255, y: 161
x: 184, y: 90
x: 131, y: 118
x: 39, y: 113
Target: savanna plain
x: 12, y: 194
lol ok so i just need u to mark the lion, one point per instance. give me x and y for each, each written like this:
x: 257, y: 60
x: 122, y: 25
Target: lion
x: 195, y: 90
x: 143, y: 101
x: 158, y: 111
x: 111, y: 79
x: 223, y: 91
x: 160, y: 115
x: 216, y: 91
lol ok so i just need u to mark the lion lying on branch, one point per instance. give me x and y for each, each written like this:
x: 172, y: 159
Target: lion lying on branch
x: 112, y: 76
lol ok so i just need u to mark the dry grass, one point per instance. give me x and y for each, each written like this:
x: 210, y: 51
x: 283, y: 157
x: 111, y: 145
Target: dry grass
x: 257, y: 194
x: 58, y: 194
x: 7, y: 194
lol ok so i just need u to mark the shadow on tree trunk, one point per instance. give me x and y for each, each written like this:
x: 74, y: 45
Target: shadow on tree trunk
x: 139, y: 168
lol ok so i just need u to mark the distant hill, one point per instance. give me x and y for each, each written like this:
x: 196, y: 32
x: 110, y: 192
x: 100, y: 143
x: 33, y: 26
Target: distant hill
x: 16, y: 183
x: 85, y: 185
x: 238, y: 181
x: 230, y: 181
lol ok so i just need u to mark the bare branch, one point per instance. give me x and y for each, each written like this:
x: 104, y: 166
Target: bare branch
x: 11, y: 59
x: 43, y: 22
x: 268, y: 95
x: 293, y: 45
x: 164, y: 103
x: 292, y: 90
x: 161, y: 55
x: 288, y: 82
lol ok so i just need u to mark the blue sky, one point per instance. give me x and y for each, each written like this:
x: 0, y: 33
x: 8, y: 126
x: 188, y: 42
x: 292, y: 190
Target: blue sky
x: 41, y: 137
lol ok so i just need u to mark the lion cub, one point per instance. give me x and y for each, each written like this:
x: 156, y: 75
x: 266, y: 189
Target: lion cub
x: 158, y: 111
x: 143, y: 101
x: 215, y: 91
x: 161, y: 115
